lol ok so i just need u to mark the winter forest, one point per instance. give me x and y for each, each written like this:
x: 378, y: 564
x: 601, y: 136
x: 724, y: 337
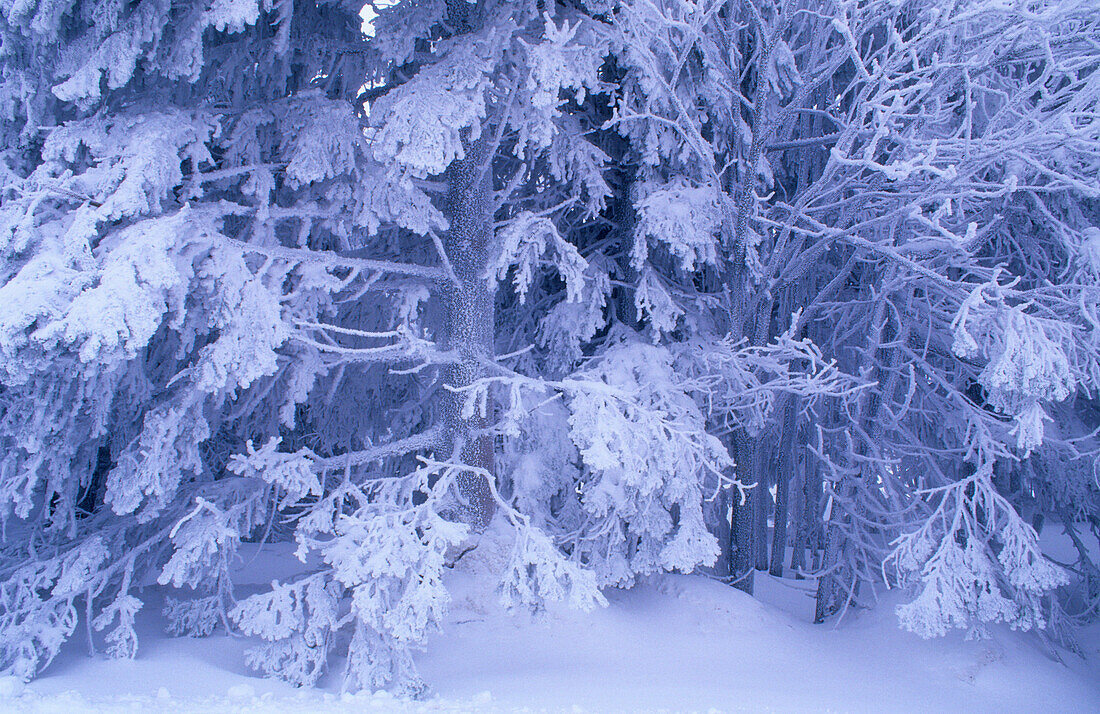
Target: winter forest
x: 763, y: 291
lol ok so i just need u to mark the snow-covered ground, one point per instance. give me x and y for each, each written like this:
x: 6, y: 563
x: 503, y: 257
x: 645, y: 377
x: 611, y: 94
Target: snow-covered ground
x: 675, y: 643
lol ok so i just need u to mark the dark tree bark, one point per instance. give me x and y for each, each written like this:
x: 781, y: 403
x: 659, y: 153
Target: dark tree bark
x: 470, y: 324
x: 741, y: 570
x: 788, y: 445
x: 828, y: 585
x: 797, y: 507
x: 762, y: 501
x: 809, y: 522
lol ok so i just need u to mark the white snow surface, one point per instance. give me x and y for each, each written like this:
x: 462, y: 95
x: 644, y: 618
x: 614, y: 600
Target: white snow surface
x: 673, y: 643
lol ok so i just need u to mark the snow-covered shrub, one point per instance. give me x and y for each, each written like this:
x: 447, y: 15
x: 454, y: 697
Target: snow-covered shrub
x: 975, y: 562
x: 646, y: 454
x: 166, y: 181
x: 1024, y: 368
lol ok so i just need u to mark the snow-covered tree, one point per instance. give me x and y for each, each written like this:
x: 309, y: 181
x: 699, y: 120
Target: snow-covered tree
x: 604, y: 271
x: 254, y: 269
x: 896, y: 172
x: 174, y: 175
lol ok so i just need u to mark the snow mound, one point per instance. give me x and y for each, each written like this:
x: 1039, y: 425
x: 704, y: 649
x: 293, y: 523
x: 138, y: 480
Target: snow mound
x: 238, y: 701
x: 672, y: 643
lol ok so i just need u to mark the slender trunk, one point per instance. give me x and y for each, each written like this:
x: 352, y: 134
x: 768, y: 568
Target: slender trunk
x: 470, y: 329
x: 779, y: 527
x: 787, y: 447
x: 741, y: 570
x: 810, y: 523
x: 828, y: 585
x: 762, y: 498
x: 797, y: 519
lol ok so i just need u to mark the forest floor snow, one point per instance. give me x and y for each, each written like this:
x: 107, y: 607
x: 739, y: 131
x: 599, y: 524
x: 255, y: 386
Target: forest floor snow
x: 673, y: 643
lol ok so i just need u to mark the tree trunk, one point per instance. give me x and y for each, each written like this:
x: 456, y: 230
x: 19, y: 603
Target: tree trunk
x: 762, y: 498
x: 806, y: 542
x: 788, y: 445
x: 470, y: 328
x: 741, y: 569
x: 796, y: 491
x: 828, y: 585
x: 779, y: 526
x: 814, y: 488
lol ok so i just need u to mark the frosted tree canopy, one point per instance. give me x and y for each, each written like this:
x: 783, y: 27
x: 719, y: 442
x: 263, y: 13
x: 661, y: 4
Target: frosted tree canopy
x: 639, y: 286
